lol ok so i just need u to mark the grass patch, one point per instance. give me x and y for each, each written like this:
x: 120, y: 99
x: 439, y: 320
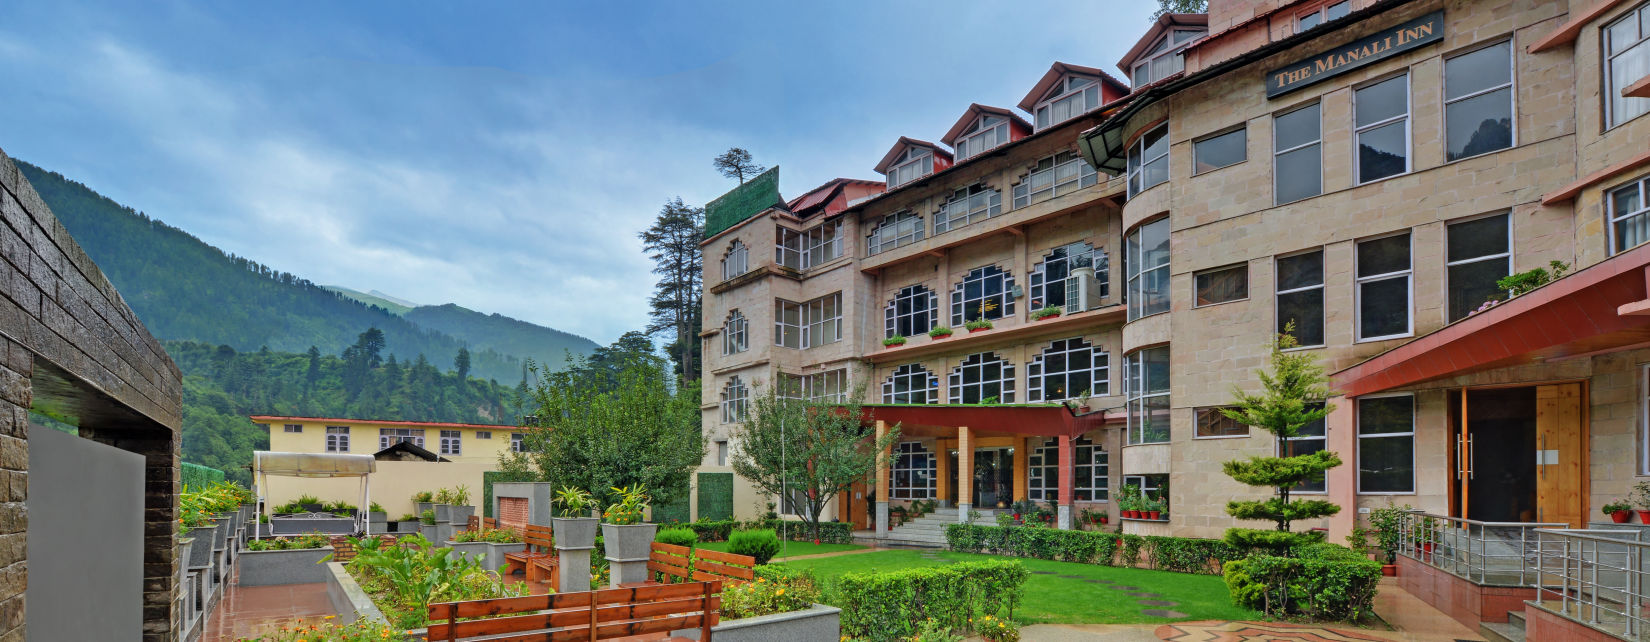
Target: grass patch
x: 1051, y: 599
x: 790, y: 549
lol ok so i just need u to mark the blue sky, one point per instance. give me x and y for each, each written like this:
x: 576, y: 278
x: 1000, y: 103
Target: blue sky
x: 497, y: 155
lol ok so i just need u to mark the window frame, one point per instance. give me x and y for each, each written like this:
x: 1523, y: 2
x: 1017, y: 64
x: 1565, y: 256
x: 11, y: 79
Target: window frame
x: 1642, y: 184
x: 338, y: 439
x: 817, y: 387
x: 788, y: 321
x: 1242, y: 129
x: 293, y: 428
x: 721, y: 452
x: 1324, y: 438
x: 892, y: 319
x: 1359, y: 130
x: 1321, y: 12
x: 945, y: 220
x: 876, y: 242
x: 1278, y: 292
x: 736, y: 257
x: 1134, y: 376
x: 1067, y: 92
x: 822, y: 321
x: 1137, y: 168
x: 1507, y: 255
x: 1134, y: 271
x: 456, y: 446
x: 901, y: 457
x: 912, y: 156
x: 1099, y: 477
x: 414, y: 435
x: 518, y: 442
x: 734, y: 401
x: 1172, y: 48
x: 1358, y: 283
x: 1084, y: 176
x: 1004, y: 296
x: 1040, y: 285
x: 1099, y: 370
x: 957, y: 387
x: 1279, y: 153
x: 735, y: 333
x: 1511, y: 85
x: 906, y: 373
x: 1612, y: 93
x: 1197, y: 285
x: 1197, y: 424
x: 1360, y: 436
x: 979, y: 129
x: 1040, y: 470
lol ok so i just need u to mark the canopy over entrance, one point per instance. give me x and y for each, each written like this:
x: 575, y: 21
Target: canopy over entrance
x: 1048, y: 420
x: 314, y: 465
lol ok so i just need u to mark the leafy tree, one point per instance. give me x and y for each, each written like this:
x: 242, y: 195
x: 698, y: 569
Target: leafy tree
x: 736, y: 163
x: 593, y: 433
x: 808, y: 451
x: 1291, y: 397
x: 1180, y: 6
x: 673, y: 245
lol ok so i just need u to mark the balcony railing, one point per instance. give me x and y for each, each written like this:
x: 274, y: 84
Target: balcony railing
x: 1485, y: 553
x: 1595, y: 577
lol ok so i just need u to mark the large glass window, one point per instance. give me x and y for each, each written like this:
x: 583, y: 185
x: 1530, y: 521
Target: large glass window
x: 1308, y: 439
x: 820, y: 387
x: 983, y: 377
x: 1297, y: 163
x: 1213, y: 424
x: 1383, y: 287
x: 1147, y: 373
x: 1146, y: 260
x: 985, y: 293
x: 1627, y: 59
x: 735, y: 333
x: 1043, y: 471
x: 808, y: 248
x: 736, y: 261
x: 912, y: 384
x: 1068, y: 369
x: 895, y: 230
x: 391, y: 436
x: 337, y: 439
x: 1381, y: 120
x: 911, y: 165
x: 1386, y: 444
x: 988, y: 131
x: 1051, y: 279
x: 967, y: 206
x: 1093, y: 471
x: 518, y: 442
x: 1478, y: 101
x: 1300, y: 297
x: 1222, y: 285
x: 824, y: 321
x: 1149, y: 160
x: 1219, y: 151
x: 914, y: 311
x: 735, y: 400
x: 1074, y: 96
x: 1056, y: 175
x: 1629, y: 215
x: 1153, y: 486
x: 1164, y: 58
x: 788, y: 248
x: 787, y: 324
x: 1479, y: 253
x: 452, y: 442
x: 912, y: 474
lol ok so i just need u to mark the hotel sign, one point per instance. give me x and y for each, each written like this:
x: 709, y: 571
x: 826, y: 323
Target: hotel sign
x: 1380, y: 46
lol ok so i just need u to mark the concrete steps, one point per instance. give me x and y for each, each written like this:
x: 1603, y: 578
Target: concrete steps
x: 1511, y: 631
x: 927, y: 531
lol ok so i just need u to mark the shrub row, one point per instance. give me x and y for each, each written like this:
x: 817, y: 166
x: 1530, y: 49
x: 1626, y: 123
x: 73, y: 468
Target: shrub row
x: 891, y: 605
x: 1322, y: 582
x: 1181, y: 554
x: 829, y: 532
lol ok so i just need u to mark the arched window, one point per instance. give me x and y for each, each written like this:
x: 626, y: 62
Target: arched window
x: 913, y: 311
x: 735, y: 400
x: 911, y: 383
x: 736, y: 261
x: 983, y: 377
x: 983, y: 294
x: 734, y: 336
x: 1066, y: 369
x: 1091, y: 471
x: 1051, y: 282
x: 899, y: 228
x: 912, y: 475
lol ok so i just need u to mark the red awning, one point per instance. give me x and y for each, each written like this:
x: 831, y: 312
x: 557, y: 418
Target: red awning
x: 936, y: 420
x: 1602, y: 308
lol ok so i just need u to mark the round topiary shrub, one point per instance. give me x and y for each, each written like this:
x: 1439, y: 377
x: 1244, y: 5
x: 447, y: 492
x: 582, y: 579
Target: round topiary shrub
x: 760, y: 544
x: 677, y: 537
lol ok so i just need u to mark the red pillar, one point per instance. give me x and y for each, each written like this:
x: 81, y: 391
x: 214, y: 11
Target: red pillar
x: 1068, y: 482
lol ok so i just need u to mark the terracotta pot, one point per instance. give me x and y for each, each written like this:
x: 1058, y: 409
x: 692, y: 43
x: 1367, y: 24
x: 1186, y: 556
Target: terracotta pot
x: 1056, y: 315
x: 973, y: 330
x: 937, y: 338
x: 1644, y: 516
x: 1016, y: 517
x: 1389, y: 570
x: 1104, y: 520
x: 1426, y: 547
x: 1152, y: 514
x: 1621, y: 516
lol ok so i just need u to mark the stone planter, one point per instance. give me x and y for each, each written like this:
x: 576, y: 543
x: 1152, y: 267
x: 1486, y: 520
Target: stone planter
x: 460, y: 515
x: 268, y: 568
x: 820, y: 623
x: 574, y: 532
x: 377, y: 517
x: 438, y: 534
x: 312, y: 508
x: 200, y: 553
x: 627, y: 551
x: 220, y: 535
x: 420, y: 507
x: 494, y: 553
x: 443, y: 513
x: 407, y: 527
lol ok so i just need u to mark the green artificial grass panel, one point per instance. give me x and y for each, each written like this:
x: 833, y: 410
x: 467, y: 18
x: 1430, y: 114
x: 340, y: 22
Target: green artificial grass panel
x: 791, y: 549
x: 1052, y: 599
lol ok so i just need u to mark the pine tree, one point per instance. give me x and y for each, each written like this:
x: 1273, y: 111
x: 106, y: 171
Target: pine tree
x: 736, y: 163
x: 673, y: 245
x: 461, y: 364
x: 1291, y: 397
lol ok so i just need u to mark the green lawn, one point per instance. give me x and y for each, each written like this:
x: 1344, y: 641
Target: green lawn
x: 791, y: 549
x: 1060, y: 600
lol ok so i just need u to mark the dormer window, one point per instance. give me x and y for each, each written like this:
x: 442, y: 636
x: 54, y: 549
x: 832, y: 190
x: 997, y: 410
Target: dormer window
x: 912, y: 164
x: 1164, y: 58
x: 1073, y: 97
x: 988, y: 132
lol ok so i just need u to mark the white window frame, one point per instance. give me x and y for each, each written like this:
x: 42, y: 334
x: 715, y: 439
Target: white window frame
x: 337, y: 439
x: 735, y: 400
x: 1277, y: 299
x: 1146, y: 491
x: 1612, y: 92
x: 1507, y: 255
x: 1061, y: 177
x: 1099, y: 370
x: 958, y: 388
x: 978, y: 203
x: 894, y: 230
x: 1322, y: 15
x: 1169, y: 47
x: 1642, y: 184
x: 1134, y: 372
x: 518, y: 442
x: 1278, y: 153
x: 787, y: 247
x: 1512, y: 100
x: 921, y: 301
x: 1134, y: 265
x: 920, y: 160
x: 1068, y: 92
x: 1359, y: 130
x: 965, y: 145
x: 735, y: 333
x: 736, y: 261
x: 822, y: 321
x: 1358, y: 282
x: 910, y: 374
x: 1099, y: 466
x: 391, y: 436
x: 821, y: 244
x: 904, y: 454
x: 1357, y: 470
x: 830, y: 386
x: 982, y: 274
x: 452, y: 442
x: 1137, y: 160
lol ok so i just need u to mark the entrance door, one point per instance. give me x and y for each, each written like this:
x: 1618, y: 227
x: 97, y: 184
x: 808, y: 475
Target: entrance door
x: 1494, y: 466
x: 1561, y: 455
x: 993, y: 477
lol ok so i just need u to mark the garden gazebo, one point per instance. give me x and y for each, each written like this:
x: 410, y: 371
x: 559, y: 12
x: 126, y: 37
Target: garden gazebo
x: 315, y: 465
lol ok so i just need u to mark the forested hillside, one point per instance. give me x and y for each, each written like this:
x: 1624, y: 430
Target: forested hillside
x: 501, y: 333
x: 222, y: 386
x: 184, y: 289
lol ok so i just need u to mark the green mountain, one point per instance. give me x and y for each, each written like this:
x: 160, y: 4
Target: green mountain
x: 184, y: 289
x: 501, y: 333
x: 393, y: 307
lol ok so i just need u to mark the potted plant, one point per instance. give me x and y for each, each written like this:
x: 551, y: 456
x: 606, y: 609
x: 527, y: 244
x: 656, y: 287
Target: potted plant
x: 429, y: 527
x: 1389, y: 534
x: 461, y: 510
x: 408, y: 523
x: 1049, y: 312
x: 939, y: 332
x: 573, y: 525
x: 1641, y: 500
x: 487, y: 546
x: 285, y: 560
x: 422, y: 501
x: 443, y: 506
x: 892, y: 341
x: 1154, y: 508
x: 311, y: 504
x: 627, y: 540
x: 1619, y: 512
x: 978, y: 325
x: 376, y: 514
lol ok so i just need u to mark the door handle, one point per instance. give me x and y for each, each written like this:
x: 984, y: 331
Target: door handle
x: 1472, y: 462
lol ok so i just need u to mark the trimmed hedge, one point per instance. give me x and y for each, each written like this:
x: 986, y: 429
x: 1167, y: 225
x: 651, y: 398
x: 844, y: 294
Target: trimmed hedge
x: 715, y: 497
x: 829, y: 532
x: 890, y: 605
x: 1180, y: 554
x: 712, y: 531
x: 196, y: 476
x: 1322, y: 581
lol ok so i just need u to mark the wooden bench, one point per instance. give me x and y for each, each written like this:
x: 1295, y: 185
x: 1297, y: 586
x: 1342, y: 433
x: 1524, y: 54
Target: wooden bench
x: 478, y: 523
x: 586, y: 615
x: 682, y: 564
x: 539, y: 556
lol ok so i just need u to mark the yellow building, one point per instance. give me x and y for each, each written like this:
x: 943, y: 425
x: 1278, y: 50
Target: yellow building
x: 458, y: 455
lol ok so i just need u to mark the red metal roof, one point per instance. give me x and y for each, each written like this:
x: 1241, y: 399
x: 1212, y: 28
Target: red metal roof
x: 1046, y: 421
x: 973, y: 113
x: 904, y: 142
x: 1158, y: 28
x: 1059, y: 70
x: 340, y: 420
x: 819, y: 195
x: 1577, y: 315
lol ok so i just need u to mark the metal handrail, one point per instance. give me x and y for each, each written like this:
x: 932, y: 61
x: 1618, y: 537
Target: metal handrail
x: 1594, y: 576
x: 1486, y: 553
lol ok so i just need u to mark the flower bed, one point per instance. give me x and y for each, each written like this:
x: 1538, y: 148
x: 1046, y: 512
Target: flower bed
x: 487, y: 546
x: 782, y: 604
x: 1182, y: 554
x: 283, y: 560
x: 404, y: 578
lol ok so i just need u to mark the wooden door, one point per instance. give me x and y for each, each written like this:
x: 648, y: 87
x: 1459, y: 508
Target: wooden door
x: 1561, y: 454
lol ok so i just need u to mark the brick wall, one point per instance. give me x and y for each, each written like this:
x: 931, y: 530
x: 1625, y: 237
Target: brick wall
x: 513, y: 510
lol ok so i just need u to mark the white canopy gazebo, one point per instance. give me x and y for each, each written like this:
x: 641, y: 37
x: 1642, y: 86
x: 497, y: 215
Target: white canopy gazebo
x: 266, y: 463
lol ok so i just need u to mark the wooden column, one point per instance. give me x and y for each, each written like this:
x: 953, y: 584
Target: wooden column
x: 882, y: 480
x: 942, y: 472
x: 965, y: 468
x: 1068, y: 482
x: 1021, y: 473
